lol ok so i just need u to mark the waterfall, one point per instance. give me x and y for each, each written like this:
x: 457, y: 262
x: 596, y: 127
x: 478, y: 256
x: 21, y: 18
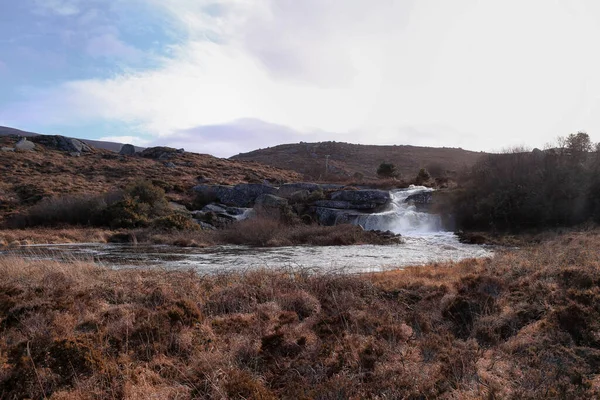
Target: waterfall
x: 401, y: 217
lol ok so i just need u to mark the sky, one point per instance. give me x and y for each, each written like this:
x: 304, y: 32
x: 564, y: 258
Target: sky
x: 230, y: 76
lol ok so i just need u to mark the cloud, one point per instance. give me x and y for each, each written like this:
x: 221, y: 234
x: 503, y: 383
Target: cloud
x: 64, y: 8
x: 108, y: 45
x: 413, y: 72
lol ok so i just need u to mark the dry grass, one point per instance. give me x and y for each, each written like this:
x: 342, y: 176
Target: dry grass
x: 29, y: 176
x: 16, y: 237
x: 261, y: 232
x: 266, y: 232
x: 521, y: 325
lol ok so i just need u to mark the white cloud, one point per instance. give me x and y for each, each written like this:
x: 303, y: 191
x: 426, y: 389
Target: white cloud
x: 65, y: 8
x: 481, y: 75
x: 110, y: 46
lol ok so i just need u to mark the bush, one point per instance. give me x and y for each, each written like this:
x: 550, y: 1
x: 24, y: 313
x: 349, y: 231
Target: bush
x: 422, y: 177
x: 66, y: 210
x: 387, y: 170
x: 529, y: 190
x: 175, y: 222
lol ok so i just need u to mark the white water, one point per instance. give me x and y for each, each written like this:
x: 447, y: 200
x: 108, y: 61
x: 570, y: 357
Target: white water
x: 403, y: 218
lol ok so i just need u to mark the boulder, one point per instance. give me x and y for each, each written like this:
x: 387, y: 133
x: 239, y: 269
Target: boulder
x: 287, y: 189
x: 127, y: 150
x: 422, y: 201
x: 301, y: 196
x: 62, y: 143
x: 334, y: 216
x: 346, y: 205
x: 270, y: 201
x: 242, y: 195
x: 179, y: 208
x: 7, y: 149
x: 358, y: 197
x: 24, y: 145
x: 159, y: 153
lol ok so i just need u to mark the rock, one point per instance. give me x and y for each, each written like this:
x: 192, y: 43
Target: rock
x: 301, y: 196
x: 358, y: 197
x: 422, y: 201
x: 219, y: 215
x: 286, y: 190
x: 270, y: 201
x: 158, y: 153
x: 127, y: 150
x: 75, y: 154
x: 62, y: 143
x: 331, y: 186
x: 204, y: 226
x: 170, y: 165
x: 242, y: 195
x: 179, y: 208
x: 333, y: 216
x: 7, y: 149
x: 24, y: 145
x: 346, y: 205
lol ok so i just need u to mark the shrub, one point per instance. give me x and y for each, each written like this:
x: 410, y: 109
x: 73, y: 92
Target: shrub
x: 387, y: 170
x: 422, y: 177
x: 175, y: 222
x: 66, y: 210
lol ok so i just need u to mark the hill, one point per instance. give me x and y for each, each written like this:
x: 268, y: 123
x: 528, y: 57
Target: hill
x: 347, y: 160
x: 29, y: 176
x: 99, y: 144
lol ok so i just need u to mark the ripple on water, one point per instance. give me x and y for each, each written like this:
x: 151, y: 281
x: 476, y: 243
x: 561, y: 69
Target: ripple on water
x: 417, y: 250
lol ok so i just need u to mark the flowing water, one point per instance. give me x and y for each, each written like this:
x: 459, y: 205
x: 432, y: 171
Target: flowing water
x: 424, y: 242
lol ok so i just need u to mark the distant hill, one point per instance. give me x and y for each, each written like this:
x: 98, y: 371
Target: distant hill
x: 346, y: 160
x: 112, y: 146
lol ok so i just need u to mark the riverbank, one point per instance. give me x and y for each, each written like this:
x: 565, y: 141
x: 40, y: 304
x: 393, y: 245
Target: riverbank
x: 521, y: 324
x: 258, y: 232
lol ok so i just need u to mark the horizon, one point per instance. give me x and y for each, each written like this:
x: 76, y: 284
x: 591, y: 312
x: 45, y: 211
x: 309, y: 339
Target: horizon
x: 228, y: 77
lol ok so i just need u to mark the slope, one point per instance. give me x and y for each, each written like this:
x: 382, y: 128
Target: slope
x: 347, y: 160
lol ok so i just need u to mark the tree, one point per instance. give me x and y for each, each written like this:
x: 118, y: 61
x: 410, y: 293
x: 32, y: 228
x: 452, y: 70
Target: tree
x: 387, y: 170
x: 422, y: 177
x: 577, y: 143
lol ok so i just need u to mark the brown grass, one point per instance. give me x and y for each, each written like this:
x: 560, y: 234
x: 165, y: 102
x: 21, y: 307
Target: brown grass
x: 521, y: 325
x: 265, y: 232
x: 261, y: 232
x: 30, y: 176
x: 16, y: 237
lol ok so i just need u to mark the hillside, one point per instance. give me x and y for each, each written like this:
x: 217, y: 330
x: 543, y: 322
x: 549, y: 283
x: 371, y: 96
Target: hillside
x: 347, y: 159
x: 31, y: 175
x: 112, y: 146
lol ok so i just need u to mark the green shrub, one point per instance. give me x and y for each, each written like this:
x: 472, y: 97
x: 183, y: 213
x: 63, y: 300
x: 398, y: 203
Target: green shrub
x: 126, y: 213
x: 387, y: 170
x: 175, y: 222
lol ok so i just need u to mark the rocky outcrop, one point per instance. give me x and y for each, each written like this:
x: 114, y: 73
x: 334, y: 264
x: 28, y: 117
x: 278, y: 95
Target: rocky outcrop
x: 358, y: 197
x: 160, y: 153
x: 242, y: 195
x: 288, y: 189
x: 422, y: 201
x: 220, y: 216
x: 266, y: 201
x: 333, y: 216
x: 61, y: 143
x: 127, y: 150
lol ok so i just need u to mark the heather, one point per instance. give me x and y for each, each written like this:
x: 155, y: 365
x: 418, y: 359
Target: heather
x: 522, y: 324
